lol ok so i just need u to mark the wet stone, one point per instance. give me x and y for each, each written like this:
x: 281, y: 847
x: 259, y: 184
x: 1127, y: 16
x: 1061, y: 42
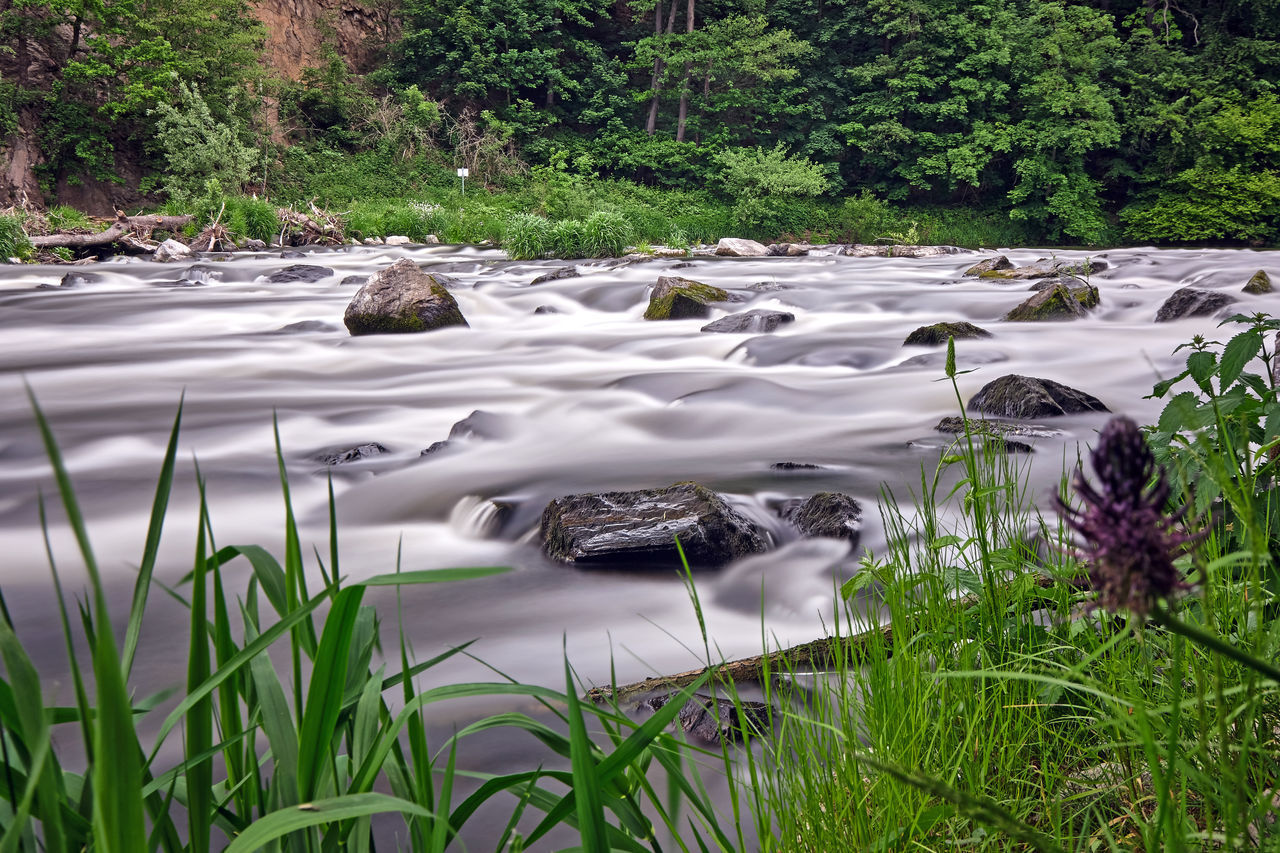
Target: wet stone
x: 307, y: 273
x: 797, y: 466
x: 714, y: 720
x: 938, y: 333
x: 1015, y: 396
x: 1191, y: 302
x: 756, y: 321
x: 557, y: 274
x: 1258, y: 284
x: 831, y: 515
x: 350, y: 454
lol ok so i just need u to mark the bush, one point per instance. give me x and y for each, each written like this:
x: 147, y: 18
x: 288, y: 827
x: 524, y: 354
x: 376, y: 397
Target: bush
x: 763, y: 183
x: 566, y: 239
x: 527, y: 237
x: 199, y: 149
x: 605, y: 235
x: 250, y: 217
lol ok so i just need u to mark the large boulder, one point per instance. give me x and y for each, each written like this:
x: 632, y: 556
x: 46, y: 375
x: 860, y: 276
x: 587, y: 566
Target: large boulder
x: 676, y: 298
x: 929, y: 336
x: 1014, y: 396
x: 1258, y: 284
x: 630, y: 528
x: 1190, y: 302
x: 833, y: 515
x: 756, y: 320
x: 1068, y: 299
x: 735, y: 247
x: 401, y: 299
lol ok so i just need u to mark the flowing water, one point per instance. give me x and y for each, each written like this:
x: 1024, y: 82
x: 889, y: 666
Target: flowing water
x: 586, y: 396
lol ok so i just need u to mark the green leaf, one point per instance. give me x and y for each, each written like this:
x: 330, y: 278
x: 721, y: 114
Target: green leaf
x: 1179, y: 413
x: 586, y: 782
x: 1162, y: 387
x: 434, y: 576
x: 282, y: 822
x: 1239, y: 351
x: 1201, y: 365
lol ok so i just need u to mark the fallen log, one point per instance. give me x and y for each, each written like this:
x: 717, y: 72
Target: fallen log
x: 120, y: 230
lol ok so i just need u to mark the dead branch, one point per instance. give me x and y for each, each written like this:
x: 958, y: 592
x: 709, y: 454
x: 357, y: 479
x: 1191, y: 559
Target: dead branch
x: 124, y: 228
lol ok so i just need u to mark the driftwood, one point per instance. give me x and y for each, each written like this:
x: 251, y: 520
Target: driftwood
x: 125, y: 229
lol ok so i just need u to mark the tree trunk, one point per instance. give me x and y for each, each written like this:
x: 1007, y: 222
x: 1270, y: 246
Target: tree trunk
x: 684, y: 87
x: 121, y: 228
x: 658, y: 65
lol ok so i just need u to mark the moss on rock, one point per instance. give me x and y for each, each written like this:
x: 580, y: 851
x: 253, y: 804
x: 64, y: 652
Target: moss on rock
x: 676, y: 298
x: 938, y: 333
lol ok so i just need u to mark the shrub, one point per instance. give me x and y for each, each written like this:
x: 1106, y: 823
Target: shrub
x: 250, y: 217
x: 527, y: 237
x: 62, y: 217
x: 199, y: 149
x: 762, y: 183
x: 605, y: 235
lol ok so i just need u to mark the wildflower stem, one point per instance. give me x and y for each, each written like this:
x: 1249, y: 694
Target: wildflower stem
x: 1213, y: 642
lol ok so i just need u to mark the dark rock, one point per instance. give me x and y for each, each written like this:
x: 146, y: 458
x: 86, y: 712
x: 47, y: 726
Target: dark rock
x: 1016, y: 396
x: 1059, y: 302
x: 797, y: 466
x: 291, y: 253
x: 714, y: 720
x: 308, y: 273
x: 350, y: 454
x: 1046, y: 268
x: 481, y: 424
x: 1000, y: 428
x: 355, y: 280
x: 547, y: 309
x: 769, y: 287
x: 1259, y: 284
x: 939, y: 332
x: 79, y: 279
x: 788, y: 250
x: 758, y: 320
x: 1190, y: 302
x: 621, y: 528
x: 556, y: 274
x: 401, y: 299
x: 306, y: 326
x: 676, y: 298
x: 828, y: 514
x: 436, y: 447
x: 999, y: 262
x: 684, y: 265
x: 203, y: 273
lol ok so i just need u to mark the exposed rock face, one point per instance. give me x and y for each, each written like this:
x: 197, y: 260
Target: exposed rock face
x: 308, y: 273
x: 1190, y: 302
x: 298, y: 32
x: 1016, y: 396
x: 401, y: 299
x: 350, y: 454
x: 829, y: 514
x: 1058, y: 302
x: 629, y: 528
x: 734, y: 247
x: 477, y: 425
x: 1259, y: 284
x: 938, y: 333
x: 562, y: 272
x: 999, y: 262
x: 758, y: 320
x: 1046, y: 268
x: 789, y: 250
x: 676, y: 298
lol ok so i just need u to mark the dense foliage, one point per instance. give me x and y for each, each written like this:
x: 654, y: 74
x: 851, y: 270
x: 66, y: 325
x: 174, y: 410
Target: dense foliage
x: 1088, y: 122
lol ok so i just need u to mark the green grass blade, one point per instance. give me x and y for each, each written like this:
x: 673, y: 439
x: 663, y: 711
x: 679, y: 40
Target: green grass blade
x: 325, y: 692
x: 586, y: 782
x: 41, y: 788
x: 160, y: 504
x: 199, y: 723
x: 434, y: 576
x: 442, y: 830
x: 306, y: 815
x: 265, y: 568
x: 277, y: 723
x: 117, y: 768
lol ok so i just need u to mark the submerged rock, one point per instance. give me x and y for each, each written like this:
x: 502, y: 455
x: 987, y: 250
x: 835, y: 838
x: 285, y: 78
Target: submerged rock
x: 797, y: 466
x: 1190, y: 302
x: 640, y: 527
x: 1015, y: 396
x: 479, y: 424
x: 676, y: 298
x: 939, y: 332
x: 832, y: 515
x: 350, y: 454
x: 999, y: 262
x: 1259, y: 284
x: 862, y: 250
x: 1060, y: 301
x: 305, y: 326
x: 308, y: 273
x: 757, y: 320
x: 79, y: 279
x: 735, y: 247
x: 715, y: 720
x: 401, y: 299
x: 1047, y: 268
x: 1001, y: 428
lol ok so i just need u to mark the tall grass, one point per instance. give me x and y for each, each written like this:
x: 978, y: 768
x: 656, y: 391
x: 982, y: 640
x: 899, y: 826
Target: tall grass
x: 299, y: 757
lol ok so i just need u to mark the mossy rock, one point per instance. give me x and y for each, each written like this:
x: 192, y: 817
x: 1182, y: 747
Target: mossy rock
x: 937, y: 334
x: 676, y: 298
x: 401, y: 299
x: 1062, y: 301
x: 833, y: 515
x: 990, y: 265
x: 1015, y: 396
x: 1259, y: 284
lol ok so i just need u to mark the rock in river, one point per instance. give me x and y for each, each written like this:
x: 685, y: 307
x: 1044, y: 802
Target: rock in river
x: 829, y: 514
x: 735, y: 247
x: 1190, y: 302
x: 401, y: 298
x: 309, y: 273
x: 629, y: 528
x: 938, y: 333
x: 1016, y: 396
x: 676, y: 298
x: 756, y: 320
x: 1258, y: 284
x: 1068, y: 299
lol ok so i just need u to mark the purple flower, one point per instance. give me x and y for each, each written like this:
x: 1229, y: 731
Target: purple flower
x: 1129, y: 540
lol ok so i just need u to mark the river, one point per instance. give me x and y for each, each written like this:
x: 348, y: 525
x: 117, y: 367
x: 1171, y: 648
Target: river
x: 587, y: 396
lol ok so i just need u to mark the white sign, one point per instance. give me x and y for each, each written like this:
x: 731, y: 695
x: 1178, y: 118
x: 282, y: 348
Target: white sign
x: 462, y: 173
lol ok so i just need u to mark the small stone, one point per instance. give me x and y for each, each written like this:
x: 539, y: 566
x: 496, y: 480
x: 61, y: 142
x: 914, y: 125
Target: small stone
x: 172, y: 250
x: 353, y: 280
x: 1016, y: 396
x: 735, y: 247
x: 756, y: 321
x: 557, y: 274
x: 431, y: 240
x: 398, y: 240
x: 1259, y: 284
x: 307, y: 273
x: 797, y: 466
x: 938, y: 333
x: 252, y: 245
x: 955, y: 425
x: 350, y: 454
x: 292, y: 253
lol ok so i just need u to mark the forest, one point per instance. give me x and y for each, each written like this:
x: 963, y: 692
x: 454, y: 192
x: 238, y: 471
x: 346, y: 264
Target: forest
x: 1080, y: 122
